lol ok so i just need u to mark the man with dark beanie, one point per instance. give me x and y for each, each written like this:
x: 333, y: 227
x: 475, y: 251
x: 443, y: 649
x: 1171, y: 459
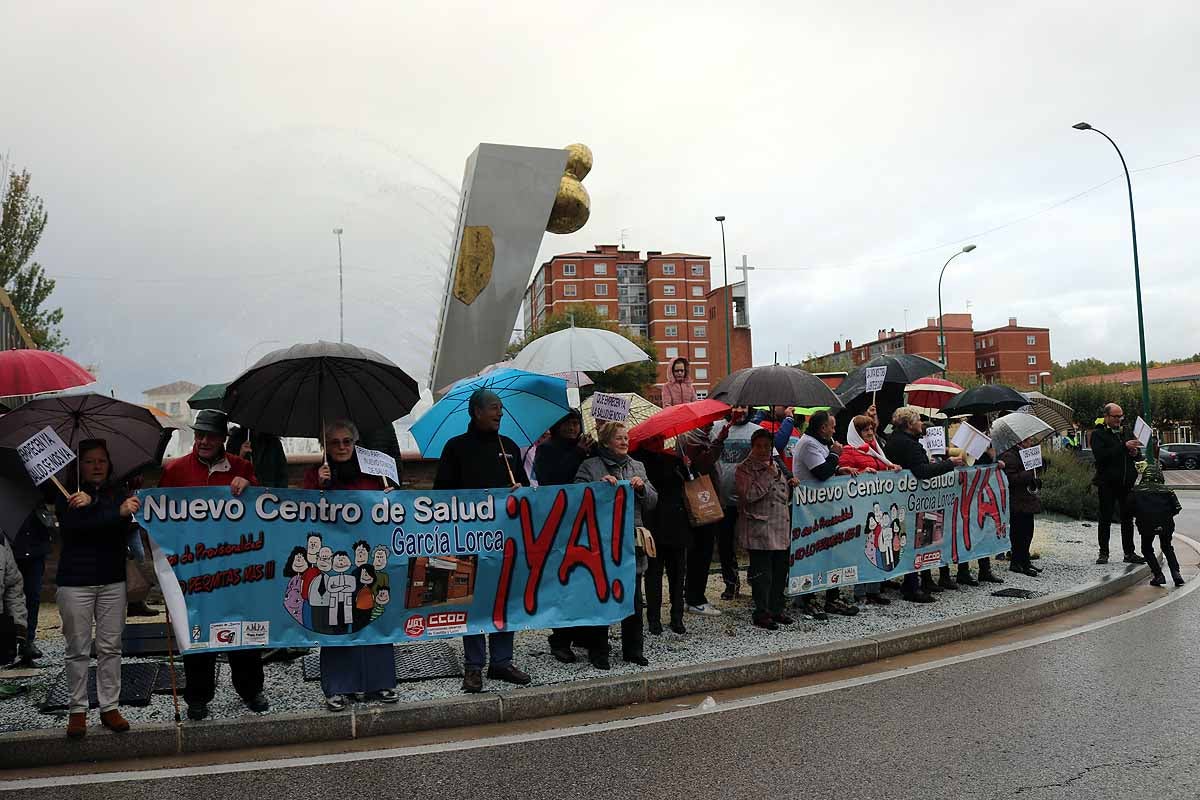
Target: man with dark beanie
x: 483, y: 458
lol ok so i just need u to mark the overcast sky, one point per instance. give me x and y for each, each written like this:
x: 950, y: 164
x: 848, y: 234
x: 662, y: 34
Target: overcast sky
x: 194, y: 161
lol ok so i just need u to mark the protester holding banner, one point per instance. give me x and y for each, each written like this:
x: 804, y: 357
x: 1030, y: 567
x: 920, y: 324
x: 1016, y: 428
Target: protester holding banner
x: 366, y: 671
x: 209, y: 465
x: 483, y: 458
x: 668, y: 521
x: 863, y: 453
x: 556, y: 463
x: 764, y: 528
x: 703, y: 452
x: 95, y: 522
x: 816, y: 459
x: 736, y: 433
x: 979, y: 422
x: 904, y: 449
x: 1023, y: 504
x: 679, y: 389
x: 613, y: 464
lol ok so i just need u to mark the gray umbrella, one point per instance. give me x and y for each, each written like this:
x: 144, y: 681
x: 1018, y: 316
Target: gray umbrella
x: 18, y: 496
x: 1055, y: 413
x: 132, y: 434
x: 296, y: 390
x: 1012, y: 429
x: 775, y: 385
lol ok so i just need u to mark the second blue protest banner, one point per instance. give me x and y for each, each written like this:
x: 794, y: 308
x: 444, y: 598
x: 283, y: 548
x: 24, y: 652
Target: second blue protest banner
x: 285, y: 568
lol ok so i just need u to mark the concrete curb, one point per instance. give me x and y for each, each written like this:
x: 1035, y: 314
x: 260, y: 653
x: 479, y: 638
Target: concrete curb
x: 49, y: 746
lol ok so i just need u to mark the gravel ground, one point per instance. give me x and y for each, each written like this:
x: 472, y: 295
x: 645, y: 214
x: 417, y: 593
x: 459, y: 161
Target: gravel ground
x: 1067, y: 547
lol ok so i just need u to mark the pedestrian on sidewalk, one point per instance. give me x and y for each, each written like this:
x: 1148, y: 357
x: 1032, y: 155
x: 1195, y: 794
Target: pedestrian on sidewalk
x: 1023, y: 504
x: 365, y: 671
x: 483, y: 458
x: 611, y: 464
x: 95, y: 522
x: 764, y: 528
x: 1154, y: 509
x: 1116, y: 471
x: 209, y: 465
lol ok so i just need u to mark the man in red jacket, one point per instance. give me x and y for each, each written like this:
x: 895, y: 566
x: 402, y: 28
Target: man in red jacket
x: 209, y: 465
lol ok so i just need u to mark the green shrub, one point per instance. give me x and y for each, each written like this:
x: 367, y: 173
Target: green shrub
x: 1067, y: 485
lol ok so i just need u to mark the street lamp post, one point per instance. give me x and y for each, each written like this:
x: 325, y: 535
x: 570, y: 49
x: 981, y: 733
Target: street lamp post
x: 341, y: 305
x: 1137, y: 275
x: 728, y: 303
x: 941, y: 327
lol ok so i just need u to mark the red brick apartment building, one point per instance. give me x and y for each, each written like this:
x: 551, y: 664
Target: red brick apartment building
x: 665, y: 297
x: 1015, y: 355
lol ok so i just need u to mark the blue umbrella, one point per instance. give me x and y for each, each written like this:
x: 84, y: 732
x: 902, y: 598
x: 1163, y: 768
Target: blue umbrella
x: 532, y: 403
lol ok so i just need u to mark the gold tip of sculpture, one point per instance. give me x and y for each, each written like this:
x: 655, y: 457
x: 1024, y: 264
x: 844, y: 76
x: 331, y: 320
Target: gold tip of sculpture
x: 572, y: 206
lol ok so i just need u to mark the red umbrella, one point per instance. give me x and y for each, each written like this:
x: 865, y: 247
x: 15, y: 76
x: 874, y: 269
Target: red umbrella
x: 931, y: 392
x: 674, y: 420
x: 24, y: 372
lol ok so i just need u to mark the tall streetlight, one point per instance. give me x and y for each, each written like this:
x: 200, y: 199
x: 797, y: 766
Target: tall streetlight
x: 341, y: 307
x: 728, y: 303
x: 1137, y: 275
x: 941, y: 327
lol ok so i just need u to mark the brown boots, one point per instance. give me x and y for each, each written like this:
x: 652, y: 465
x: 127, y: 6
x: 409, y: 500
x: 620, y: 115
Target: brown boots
x: 77, y: 723
x: 114, y: 721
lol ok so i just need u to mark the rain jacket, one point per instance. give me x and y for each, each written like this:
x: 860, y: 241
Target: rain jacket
x: 623, y: 469
x: 12, y: 601
x: 1154, y: 505
x: 763, y: 522
x: 93, y: 550
x: 675, y: 393
x: 189, y: 470
x: 473, y: 460
x: 1023, y: 484
x: 905, y: 451
x: 861, y: 457
x: 1116, y: 468
x: 668, y: 520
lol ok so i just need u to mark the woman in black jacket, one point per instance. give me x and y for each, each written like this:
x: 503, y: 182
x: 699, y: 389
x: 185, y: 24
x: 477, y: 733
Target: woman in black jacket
x: 672, y: 534
x: 95, y: 523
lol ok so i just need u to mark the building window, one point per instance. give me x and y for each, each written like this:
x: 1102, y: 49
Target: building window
x: 701, y: 374
x: 697, y: 291
x: 174, y: 408
x: 668, y: 290
x: 1032, y: 379
x: 992, y: 362
x: 700, y: 332
x: 600, y: 269
x: 1032, y: 360
x: 672, y: 352
x: 991, y: 342
x: 668, y: 269
x: 672, y: 330
x: 1031, y: 339
x: 602, y: 310
x: 161, y: 407
x: 697, y: 311
x: 978, y: 363
x: 571, y: 290
x: 701, y: 352
x: 698, y: 270
x: 568, y: 269
x: 670, y: 310
x: 601, y: 289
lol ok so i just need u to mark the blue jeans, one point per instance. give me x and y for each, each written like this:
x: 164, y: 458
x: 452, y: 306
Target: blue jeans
x: 475, y: 649
x: 32, y: 570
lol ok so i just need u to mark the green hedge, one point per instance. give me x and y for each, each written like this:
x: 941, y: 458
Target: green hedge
x: 1067, y: 486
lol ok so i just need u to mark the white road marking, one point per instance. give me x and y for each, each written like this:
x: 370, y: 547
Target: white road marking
x: 593, y: 728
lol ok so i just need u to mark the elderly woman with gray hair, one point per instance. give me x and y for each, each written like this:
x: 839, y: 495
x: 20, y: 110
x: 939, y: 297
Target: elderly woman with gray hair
x: 611, y: 465
x: 365, y: 671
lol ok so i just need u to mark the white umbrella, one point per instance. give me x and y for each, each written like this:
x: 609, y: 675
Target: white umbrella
x: 578, y: 350
x: 1012, y: 429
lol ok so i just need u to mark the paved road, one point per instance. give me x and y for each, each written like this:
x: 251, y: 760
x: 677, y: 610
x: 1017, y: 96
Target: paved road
x: 1110, y: 713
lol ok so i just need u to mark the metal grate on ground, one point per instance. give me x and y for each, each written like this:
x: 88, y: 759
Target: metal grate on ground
x: 137, y: 682
x: 418, y: 661
x: 1024, y: 594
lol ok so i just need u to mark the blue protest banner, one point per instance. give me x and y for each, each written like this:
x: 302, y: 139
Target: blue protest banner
x: 874, y: 527
x: 287, y: 568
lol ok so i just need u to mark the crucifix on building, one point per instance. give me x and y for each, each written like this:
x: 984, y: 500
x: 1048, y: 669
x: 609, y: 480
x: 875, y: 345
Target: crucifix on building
x: 745, y: 269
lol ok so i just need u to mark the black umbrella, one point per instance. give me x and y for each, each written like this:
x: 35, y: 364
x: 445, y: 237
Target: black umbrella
x: 18, y: 496
x: 296, y: 390
x: 134, y: 437
x: 984, y: 399
x: 903, y: 369
x: 775, y: 385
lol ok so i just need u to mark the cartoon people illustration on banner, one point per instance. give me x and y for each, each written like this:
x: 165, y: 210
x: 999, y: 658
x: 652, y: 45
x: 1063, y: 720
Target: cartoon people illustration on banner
x: 336, y: 592
x: 884, y: 536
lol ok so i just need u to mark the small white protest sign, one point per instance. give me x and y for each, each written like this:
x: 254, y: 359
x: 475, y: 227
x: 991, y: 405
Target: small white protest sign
x: 373, y: 462
x: 44, y: 454
x: 1031, y: 457
x: 1142, y: 431
x: 611, y: 407
x: 971, y: 440
x: 934, y: 441
x: 875, y: 378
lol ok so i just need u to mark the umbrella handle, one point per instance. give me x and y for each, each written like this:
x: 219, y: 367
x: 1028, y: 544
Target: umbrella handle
x: 504, y: 457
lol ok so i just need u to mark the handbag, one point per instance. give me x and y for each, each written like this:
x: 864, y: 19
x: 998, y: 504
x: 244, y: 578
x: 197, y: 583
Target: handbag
x: 701, y: 501
x: 644, y: 539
